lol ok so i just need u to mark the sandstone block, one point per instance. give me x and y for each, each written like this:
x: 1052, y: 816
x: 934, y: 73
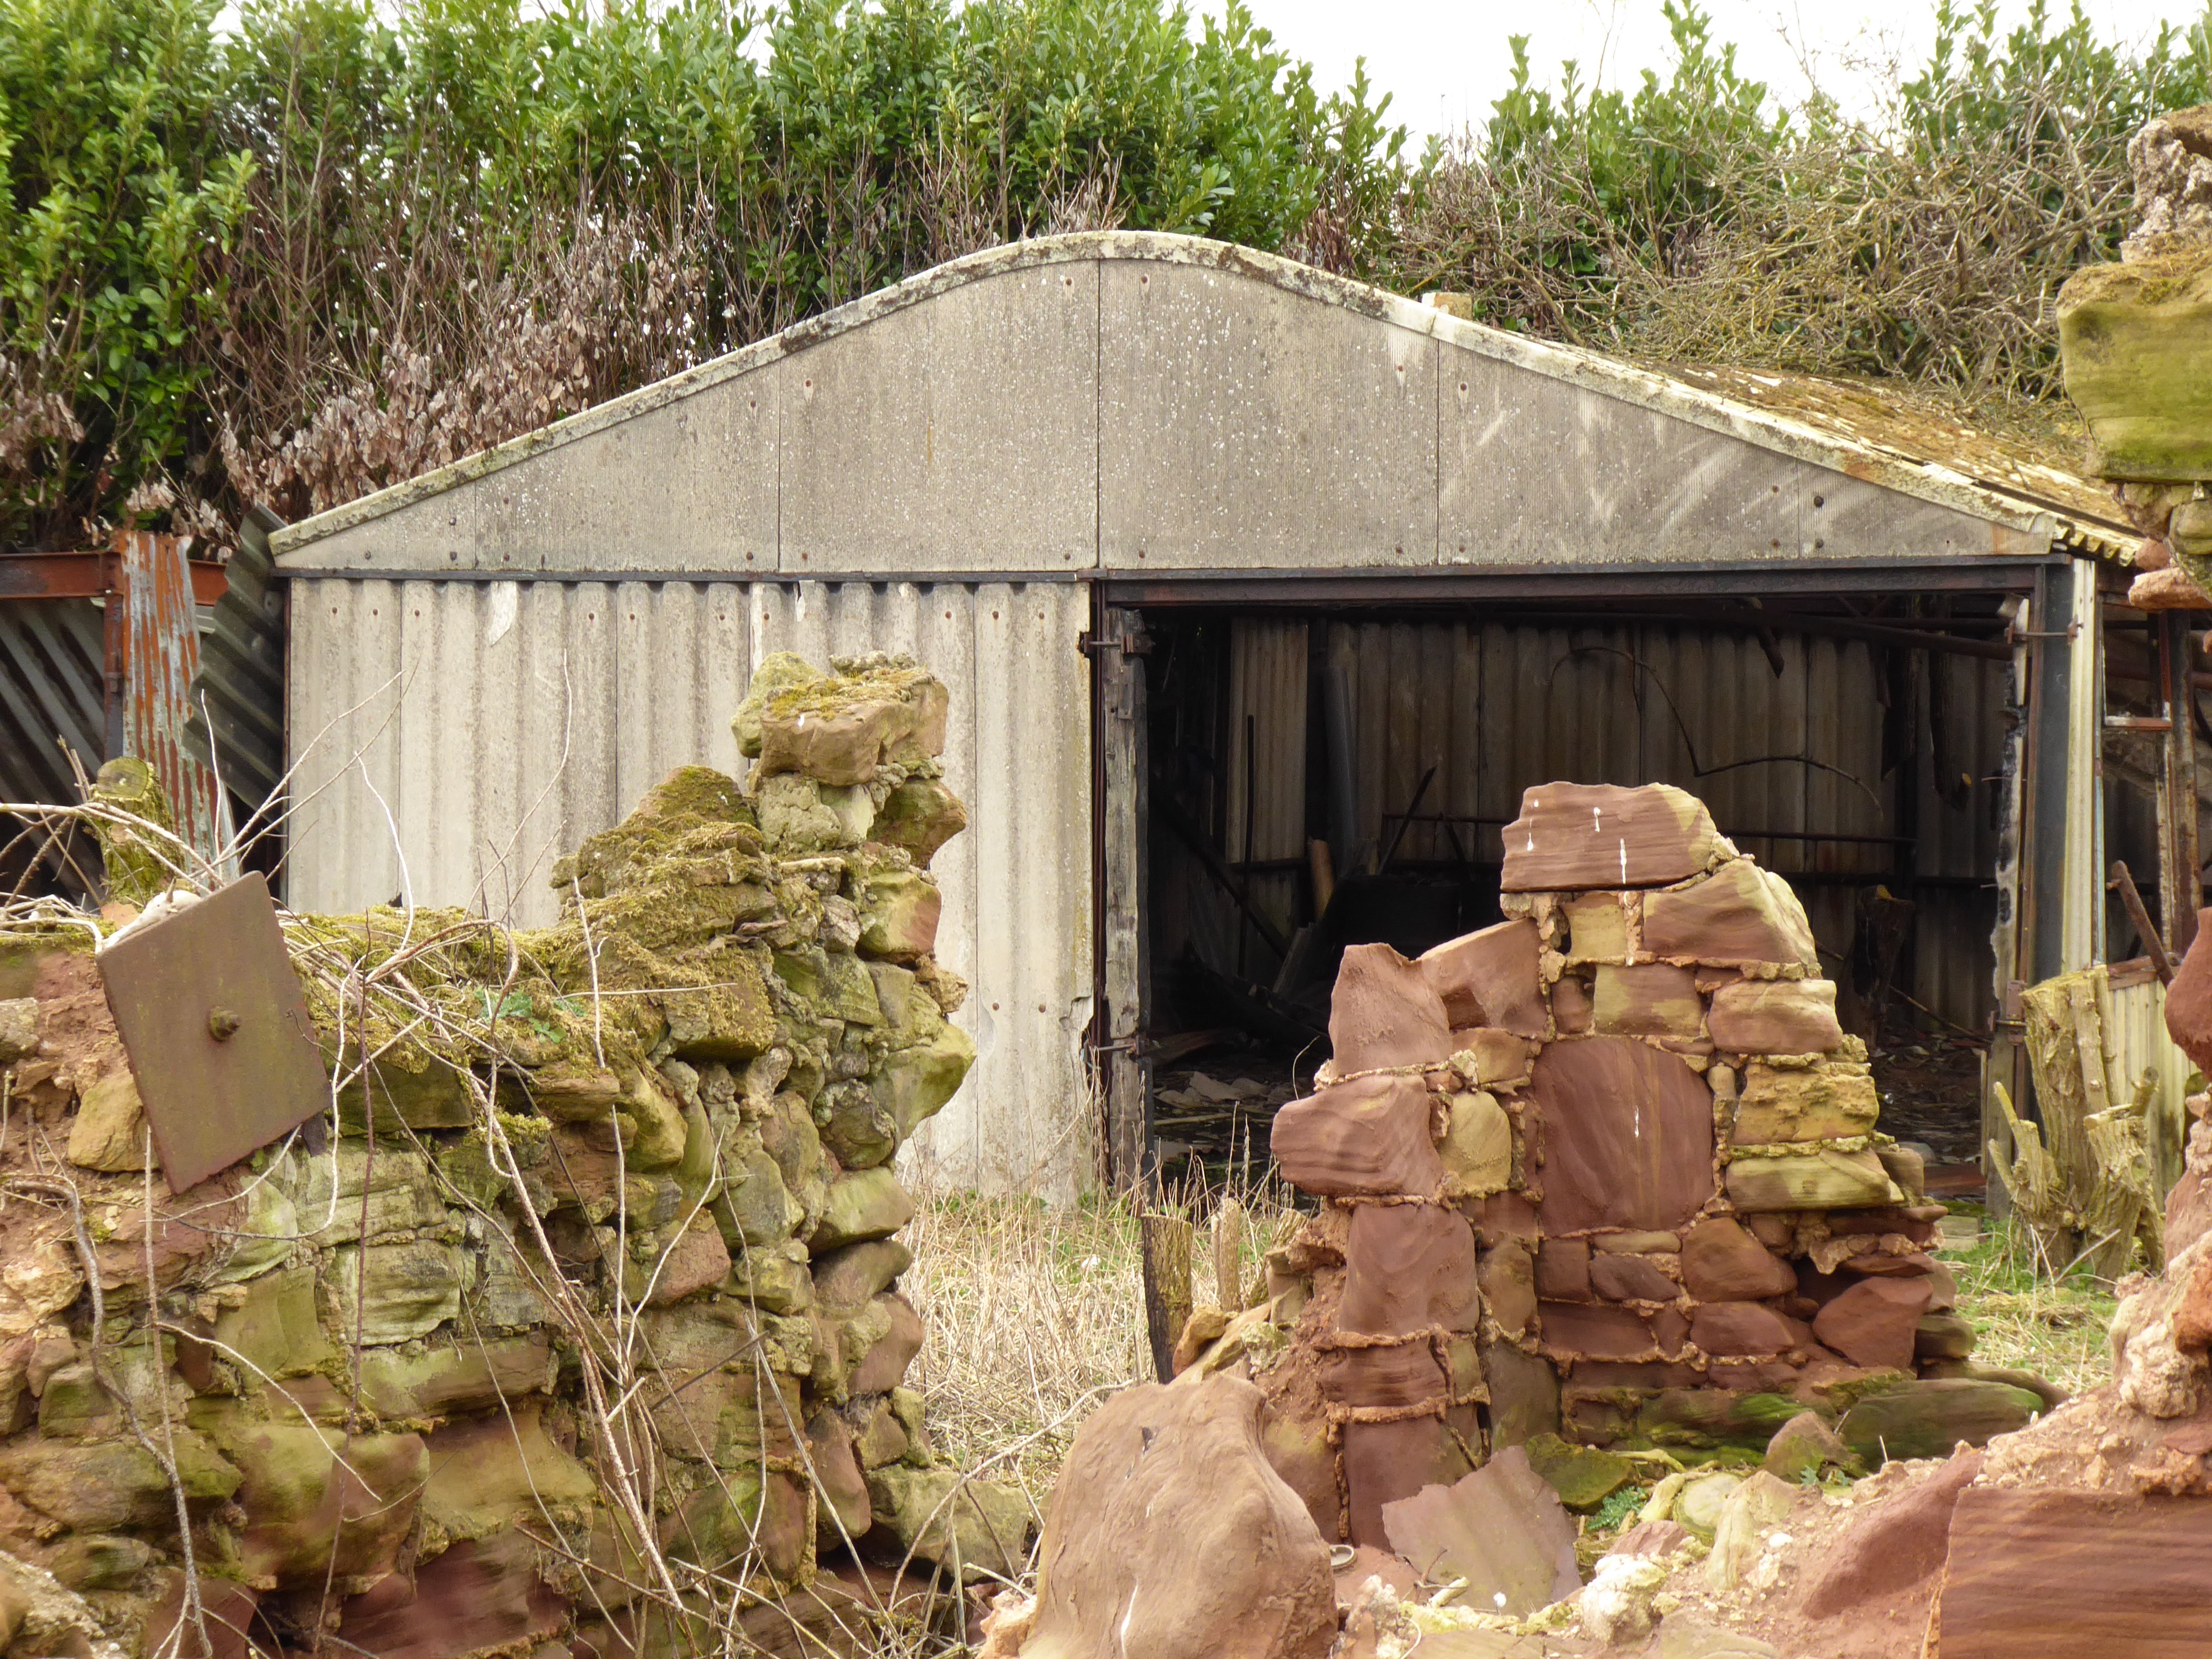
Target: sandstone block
x: 1477, y: 1150
x: 1775, y: 1016
x: 1370, y: 1135
x: 442, y: 1382
x: 1739, y: 913
x: 1828, y: 1102
x: 696, y: 1259
x: 1578, y: 836
x: 1652, y: 1001
x: 1597, y: 928
x: 19, y: 1029
x: 842, y: 728
x: 274, y: 1332
x: 744, y: 1515
x: 1571, y: 1010
x: 112, y: 1485
x: 1628, y: 1136
x: 1403, y: 1375
x: 1741, y: 1328
x: 913, y: 1084
x: 920, y: 816
x: 486, y: 1473
x: 882, y: 1366
x: 1563, y: 1270
x: 1872, y: 1323
x: 1408, y: 1267
x: 2136, y: 339
x: 1631, y: 1279
x: 1928, y: 1419
x: 1722, y: 1262
x: 1508, y: 1277
x: 1583, y: 1476
x: 1499, y: 1055
x: 899, y: 911
x: 857, y: 1275
x: 1217, y: 1554
x: 843, y: 1488
x: 1385, y: 1012
x: 319, y: 1502
x: 2189, y: 999
x: 1524, y: 1394
x: 392, y: 1292
x: 2038, y: 1574
x: 1822, y: 1180
x: 964, y: 1525
x: 1386, y: 1462
x: 1489, y: 978
x: 1889, y: 1547
x: 871, y: 1204
x: 1594, y: 1331
x: 1942, y: 1336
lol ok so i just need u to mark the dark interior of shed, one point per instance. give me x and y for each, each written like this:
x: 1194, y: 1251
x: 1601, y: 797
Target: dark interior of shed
x: 1319, y: 777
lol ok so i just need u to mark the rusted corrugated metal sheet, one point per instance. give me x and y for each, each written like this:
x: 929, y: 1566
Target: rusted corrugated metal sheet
x: 1497, y: 707
x: 240, y: 688
x: 160, y: 661
x: 454, y: 738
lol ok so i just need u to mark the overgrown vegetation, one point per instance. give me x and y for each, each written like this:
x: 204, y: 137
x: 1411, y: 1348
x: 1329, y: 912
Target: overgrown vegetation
x: 340, y: 243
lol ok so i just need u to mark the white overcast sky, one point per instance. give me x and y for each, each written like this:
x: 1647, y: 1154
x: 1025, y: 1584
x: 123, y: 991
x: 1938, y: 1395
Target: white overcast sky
x: 1445, y: 61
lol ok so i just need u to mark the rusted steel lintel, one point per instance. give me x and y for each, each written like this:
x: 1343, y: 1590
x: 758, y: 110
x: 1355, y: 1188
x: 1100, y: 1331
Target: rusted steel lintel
x: 90, y: 576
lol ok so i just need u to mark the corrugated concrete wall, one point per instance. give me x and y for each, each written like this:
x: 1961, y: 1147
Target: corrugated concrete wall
x: 455, y: 737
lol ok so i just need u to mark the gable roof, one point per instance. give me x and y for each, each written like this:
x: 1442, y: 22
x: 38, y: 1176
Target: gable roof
x: 1132, y: 401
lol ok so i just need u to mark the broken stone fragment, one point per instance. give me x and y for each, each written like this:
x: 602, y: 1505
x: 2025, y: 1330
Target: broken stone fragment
x: 1508, y: 1279
x: 1805, y: 1446
x: 1577, y: 836
x: 1738, y: 914
x: 1488, y: 978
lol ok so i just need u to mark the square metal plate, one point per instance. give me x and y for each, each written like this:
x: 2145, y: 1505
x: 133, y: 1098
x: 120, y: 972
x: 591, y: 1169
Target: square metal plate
x: 210, y: 1012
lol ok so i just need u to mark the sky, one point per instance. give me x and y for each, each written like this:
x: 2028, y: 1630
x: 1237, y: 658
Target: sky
x: 1445, y: 61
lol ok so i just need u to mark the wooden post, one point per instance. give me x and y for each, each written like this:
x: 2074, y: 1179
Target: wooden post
x: 1165, y: 1244
x: 1126, y: 1074
x: 2180, y: 889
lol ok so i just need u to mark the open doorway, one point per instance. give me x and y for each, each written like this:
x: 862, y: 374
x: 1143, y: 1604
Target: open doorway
x: 1320, y: 777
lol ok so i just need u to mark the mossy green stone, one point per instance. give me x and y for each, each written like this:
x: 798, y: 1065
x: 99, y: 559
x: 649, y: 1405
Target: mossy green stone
x: 1583, y: 1476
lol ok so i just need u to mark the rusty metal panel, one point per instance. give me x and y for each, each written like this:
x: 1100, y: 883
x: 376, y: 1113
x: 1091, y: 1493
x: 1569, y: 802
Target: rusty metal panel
x: 220, y: 1043
x: 1267, y: 698
x: 161, y: 664
x: 240, y: 687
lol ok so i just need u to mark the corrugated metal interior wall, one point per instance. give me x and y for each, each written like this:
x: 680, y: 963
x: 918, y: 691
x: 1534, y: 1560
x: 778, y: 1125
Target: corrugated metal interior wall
x: 455, y: 737
x: 1496, y: 706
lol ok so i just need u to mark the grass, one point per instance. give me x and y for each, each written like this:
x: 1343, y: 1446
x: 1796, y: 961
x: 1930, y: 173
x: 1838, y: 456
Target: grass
x: 2024, y: 1318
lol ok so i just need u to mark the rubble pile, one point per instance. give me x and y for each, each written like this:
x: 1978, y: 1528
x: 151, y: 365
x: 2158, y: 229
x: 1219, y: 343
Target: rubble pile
x: 573, y: 1325
x: 1607, y: 1173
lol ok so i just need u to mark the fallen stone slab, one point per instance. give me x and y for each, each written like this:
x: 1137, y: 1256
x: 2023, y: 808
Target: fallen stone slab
x: 1928, y: 1419
x: 1501, y: 1529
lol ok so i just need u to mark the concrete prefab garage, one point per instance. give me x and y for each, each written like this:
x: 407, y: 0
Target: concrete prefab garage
x: 1123, y: 490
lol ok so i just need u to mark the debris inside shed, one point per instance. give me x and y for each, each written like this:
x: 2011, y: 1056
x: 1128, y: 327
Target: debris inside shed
x: 580, y: 1329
